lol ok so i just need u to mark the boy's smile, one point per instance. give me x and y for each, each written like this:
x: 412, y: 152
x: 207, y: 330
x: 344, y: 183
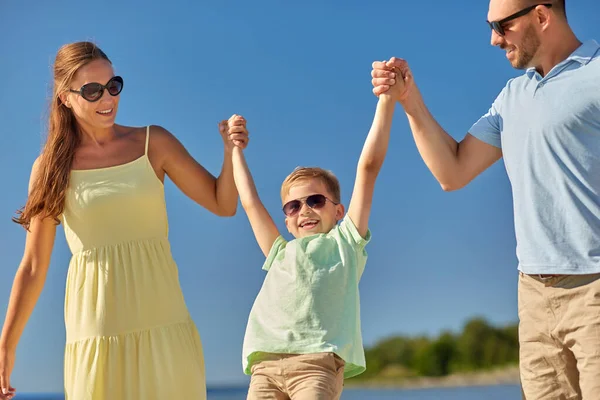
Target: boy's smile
x: 320, y: 218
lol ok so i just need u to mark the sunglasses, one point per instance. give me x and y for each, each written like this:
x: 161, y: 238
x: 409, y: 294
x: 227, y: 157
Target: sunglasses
x: 93, y: 91
x: 314, y: 201
x: 497, y: 26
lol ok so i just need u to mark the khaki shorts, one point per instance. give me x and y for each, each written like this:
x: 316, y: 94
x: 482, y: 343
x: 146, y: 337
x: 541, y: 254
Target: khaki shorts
x: 316, y: 376
x: 559, y: 336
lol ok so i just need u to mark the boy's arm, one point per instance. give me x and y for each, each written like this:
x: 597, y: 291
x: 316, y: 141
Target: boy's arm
x: 370, y: 162
x: 262, y: 224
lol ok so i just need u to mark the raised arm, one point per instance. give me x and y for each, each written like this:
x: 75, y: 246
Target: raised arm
x: 262, y: 224
x: 218, y: 195
x: 453, y: 164
x: 27, y: 287
x: 370, y: 162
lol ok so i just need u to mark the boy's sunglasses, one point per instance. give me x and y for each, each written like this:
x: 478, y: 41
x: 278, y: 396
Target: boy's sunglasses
x: 93, y: 91
x: 497, y: 26
x: 315, y: 201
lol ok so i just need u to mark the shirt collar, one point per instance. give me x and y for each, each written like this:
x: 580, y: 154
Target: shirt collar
x: 583, y: 55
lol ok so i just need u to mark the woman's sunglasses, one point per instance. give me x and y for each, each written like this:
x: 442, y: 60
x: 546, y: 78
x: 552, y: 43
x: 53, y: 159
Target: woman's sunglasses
x: 93, y: 91
x: 498, y: 26
x: 315, y: 201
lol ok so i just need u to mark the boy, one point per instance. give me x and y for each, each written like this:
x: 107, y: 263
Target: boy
x: 303, y: 335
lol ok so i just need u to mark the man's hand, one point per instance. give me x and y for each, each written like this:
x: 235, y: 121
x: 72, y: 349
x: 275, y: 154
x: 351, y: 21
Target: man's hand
x: 396, y: 72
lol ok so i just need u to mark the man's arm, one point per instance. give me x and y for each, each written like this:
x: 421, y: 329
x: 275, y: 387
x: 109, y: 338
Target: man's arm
x: 453, y: 164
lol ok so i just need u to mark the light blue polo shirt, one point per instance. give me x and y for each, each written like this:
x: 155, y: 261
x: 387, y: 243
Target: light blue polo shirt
x: 549, y: 132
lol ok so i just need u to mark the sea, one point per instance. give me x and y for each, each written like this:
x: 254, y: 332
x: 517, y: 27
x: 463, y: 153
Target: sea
x: 498, y: 392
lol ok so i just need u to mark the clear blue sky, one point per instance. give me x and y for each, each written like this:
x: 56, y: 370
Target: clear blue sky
x: 300, y: 74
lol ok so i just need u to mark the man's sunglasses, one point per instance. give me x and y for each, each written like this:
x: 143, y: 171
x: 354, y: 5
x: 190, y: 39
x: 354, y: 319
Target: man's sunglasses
x: 497, y: 26
x: 93, y: 91
x: 315, y: 201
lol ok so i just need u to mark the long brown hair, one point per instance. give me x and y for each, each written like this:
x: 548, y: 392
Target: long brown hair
x: 48, y: 191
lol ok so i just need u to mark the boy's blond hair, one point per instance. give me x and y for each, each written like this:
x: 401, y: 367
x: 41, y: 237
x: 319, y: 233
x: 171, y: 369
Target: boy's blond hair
x: 300, y: 174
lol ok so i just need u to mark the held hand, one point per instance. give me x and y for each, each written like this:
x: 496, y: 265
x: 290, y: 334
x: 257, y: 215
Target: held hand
x: 7, y: 362
x: 395, y: 90
x: 234, y: 132
x: 394, y: 72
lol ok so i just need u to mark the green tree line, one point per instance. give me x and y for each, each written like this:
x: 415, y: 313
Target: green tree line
x: 479, y: 346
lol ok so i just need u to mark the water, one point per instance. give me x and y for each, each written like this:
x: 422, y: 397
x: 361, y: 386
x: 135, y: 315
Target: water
x: 505, y: 392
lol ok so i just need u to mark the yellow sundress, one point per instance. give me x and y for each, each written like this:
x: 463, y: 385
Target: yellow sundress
x: 129, y: 333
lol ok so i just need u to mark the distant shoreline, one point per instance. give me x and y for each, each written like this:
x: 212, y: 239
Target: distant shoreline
x: 501, y: 376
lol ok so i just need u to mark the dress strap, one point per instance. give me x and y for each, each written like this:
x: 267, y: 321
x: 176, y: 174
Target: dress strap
x: 147, y: 139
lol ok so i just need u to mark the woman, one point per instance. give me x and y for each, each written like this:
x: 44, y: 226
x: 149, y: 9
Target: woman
x: 129, y: 333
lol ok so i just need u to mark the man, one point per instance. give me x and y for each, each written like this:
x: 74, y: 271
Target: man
x: 546, y: 126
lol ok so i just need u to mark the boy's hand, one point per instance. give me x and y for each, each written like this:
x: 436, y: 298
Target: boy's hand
x: 395, y: 90
x: 234, y: 132
x: 394, y: 78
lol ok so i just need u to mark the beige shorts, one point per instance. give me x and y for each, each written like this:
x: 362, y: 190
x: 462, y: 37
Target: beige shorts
x: 315, y: 376
x: 559, y: 336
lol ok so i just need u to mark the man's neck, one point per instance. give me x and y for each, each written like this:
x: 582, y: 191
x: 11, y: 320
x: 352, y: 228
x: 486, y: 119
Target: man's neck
x: 562, y: 45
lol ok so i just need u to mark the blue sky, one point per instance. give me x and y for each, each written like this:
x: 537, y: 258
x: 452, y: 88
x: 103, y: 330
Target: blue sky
x: 300, y: 74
